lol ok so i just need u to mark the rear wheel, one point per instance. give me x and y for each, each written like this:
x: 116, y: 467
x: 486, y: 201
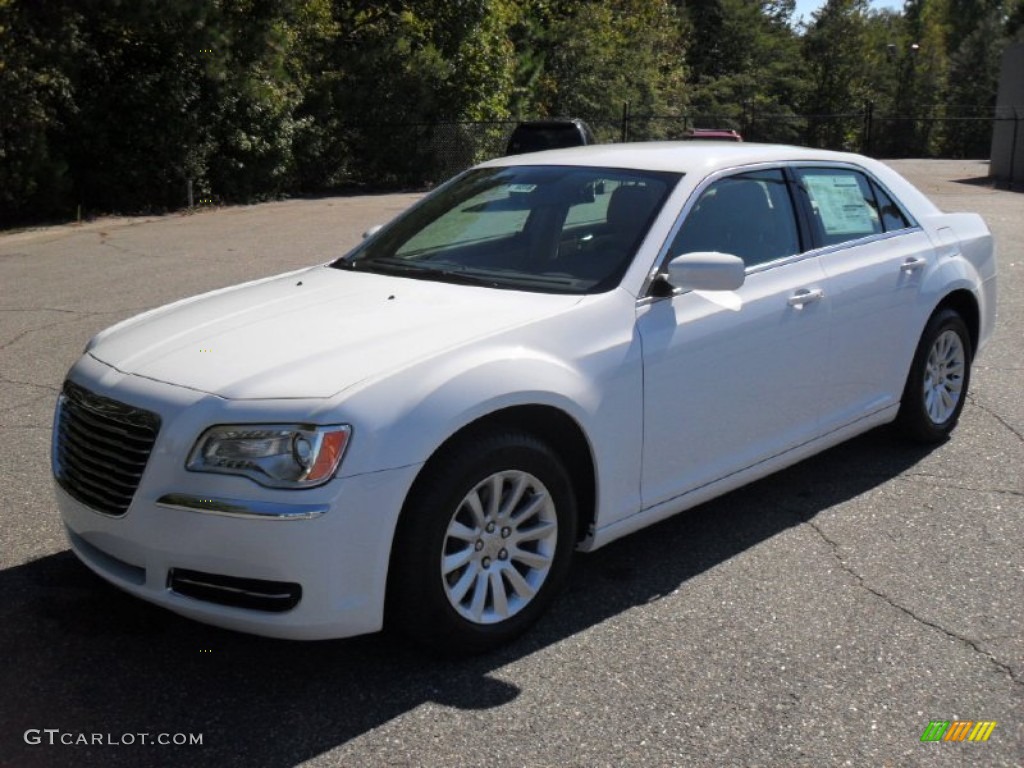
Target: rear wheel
x: 939, y: 376
x: 484, y: 543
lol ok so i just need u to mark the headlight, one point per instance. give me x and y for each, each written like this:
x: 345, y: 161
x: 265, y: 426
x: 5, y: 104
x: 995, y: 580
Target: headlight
x: 275, y: 455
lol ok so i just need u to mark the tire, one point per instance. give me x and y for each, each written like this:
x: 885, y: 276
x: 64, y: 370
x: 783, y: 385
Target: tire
x: 469, y: 574
x: 939, y: 376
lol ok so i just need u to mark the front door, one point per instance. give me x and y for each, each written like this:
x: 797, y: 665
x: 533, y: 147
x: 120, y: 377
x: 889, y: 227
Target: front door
x: 732, y: 378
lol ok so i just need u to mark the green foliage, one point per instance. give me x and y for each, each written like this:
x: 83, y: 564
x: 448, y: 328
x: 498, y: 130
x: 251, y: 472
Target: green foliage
x: 973, y: 75
x: 616, y: 52
x: 747, y: 68
x: 116, y: 105
x: 36, y: 46
x: 839, y: 75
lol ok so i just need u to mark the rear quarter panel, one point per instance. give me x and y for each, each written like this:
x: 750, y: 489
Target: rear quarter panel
x: 966, y: 259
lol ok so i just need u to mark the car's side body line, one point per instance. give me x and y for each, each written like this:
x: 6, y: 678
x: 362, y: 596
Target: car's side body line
x: 738, y: 479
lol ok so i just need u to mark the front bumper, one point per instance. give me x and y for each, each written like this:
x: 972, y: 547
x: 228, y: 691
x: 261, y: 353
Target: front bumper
x: 340, y: 557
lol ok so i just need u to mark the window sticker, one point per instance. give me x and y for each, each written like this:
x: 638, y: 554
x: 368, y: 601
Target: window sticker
x: 841, y: 204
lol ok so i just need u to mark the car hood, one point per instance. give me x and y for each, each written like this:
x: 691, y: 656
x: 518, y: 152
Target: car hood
x: 311, y: 334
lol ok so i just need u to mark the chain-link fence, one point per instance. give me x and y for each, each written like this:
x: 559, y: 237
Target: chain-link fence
x: 428, y: 153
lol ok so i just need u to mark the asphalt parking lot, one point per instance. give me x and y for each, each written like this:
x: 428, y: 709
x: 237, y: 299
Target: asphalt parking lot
x: 820, y: 617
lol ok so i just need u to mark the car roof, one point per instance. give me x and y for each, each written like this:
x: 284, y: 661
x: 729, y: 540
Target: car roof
x: 678, y: 156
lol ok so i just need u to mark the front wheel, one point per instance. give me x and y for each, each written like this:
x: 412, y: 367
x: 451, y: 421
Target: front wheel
x: 937, y: 385
x: 484, y: 543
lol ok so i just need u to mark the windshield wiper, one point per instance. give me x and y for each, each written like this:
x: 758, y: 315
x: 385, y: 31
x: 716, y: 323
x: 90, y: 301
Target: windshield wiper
x: 417, y: 270
x: 524, y: 278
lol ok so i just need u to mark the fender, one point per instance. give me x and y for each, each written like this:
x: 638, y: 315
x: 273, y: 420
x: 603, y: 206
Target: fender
x: 404, y: 418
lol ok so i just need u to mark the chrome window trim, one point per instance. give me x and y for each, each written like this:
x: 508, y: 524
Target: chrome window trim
x: 662, y: 259
x: 793, y: 166
x: 241, y: 508
x: 827, y: 249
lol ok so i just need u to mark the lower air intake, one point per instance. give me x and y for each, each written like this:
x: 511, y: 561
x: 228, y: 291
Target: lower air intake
x: 253, y: 594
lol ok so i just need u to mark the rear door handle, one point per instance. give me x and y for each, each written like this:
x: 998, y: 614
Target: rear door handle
x: 805, y: 296
x: 913, y: 263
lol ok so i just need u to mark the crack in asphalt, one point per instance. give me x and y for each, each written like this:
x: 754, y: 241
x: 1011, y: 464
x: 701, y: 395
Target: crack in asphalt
x: 5, y: 380
x: 27, y: 331
x: 950, y: 483
x: 990, y: 638
x: 16, y: 406
x: 974, y: 401
x: 82, y: 312
x: 121, y: 249
x: 22, y: 335
x: 78, y: 314
x: 973, y: 644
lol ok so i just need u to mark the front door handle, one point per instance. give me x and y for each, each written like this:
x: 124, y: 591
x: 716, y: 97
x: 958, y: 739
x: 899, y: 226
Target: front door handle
x: 805, y: 296
x: 913, y: 263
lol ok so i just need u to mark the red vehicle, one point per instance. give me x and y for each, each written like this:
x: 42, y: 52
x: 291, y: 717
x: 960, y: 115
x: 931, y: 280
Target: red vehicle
x: 713, y: 134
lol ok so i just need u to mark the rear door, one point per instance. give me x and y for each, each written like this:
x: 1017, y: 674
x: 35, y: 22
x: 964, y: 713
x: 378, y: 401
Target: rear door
x: 875, y: 257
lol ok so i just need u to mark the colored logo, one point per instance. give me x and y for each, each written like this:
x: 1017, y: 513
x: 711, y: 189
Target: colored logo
x: 958, y: 730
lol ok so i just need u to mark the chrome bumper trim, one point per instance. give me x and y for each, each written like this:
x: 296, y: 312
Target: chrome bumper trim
x: 253, y: 510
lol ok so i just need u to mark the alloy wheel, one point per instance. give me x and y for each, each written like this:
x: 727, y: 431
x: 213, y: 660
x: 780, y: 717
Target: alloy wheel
x: 499, y: 547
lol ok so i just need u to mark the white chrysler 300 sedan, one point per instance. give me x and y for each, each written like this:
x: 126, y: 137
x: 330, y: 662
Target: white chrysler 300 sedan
x: 546, y: 353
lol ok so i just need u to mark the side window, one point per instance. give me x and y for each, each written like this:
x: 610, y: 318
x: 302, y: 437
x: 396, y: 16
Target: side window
x: 842, y: 203
x: 749, y: 215
x: 893, y: 217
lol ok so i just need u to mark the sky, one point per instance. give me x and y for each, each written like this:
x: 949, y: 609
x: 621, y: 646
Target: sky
x: 806, y: 7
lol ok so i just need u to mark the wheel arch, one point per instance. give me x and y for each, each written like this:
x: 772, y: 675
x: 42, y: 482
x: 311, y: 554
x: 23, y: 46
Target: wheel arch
x: 549, y: 424
x: 965, y: 304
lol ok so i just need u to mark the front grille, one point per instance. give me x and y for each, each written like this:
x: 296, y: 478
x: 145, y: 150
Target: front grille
x: 254, y: 594
x: 101, y: 448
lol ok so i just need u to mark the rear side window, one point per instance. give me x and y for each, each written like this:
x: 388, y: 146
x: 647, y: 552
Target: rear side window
x: 842, y: 204
x: 847, y: 205
x: 893, y: 217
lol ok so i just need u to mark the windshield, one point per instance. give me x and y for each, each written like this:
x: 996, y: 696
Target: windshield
x: 540, y: 228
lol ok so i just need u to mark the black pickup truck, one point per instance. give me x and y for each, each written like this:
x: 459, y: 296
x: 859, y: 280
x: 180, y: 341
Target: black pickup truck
x: 537, y: 135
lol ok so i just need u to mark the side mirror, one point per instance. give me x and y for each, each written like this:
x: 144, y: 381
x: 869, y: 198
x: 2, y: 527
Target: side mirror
x: 372, y: 231
x: 706, y: 271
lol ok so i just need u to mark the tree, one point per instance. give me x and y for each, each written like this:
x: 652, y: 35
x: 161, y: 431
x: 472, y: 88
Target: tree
x: 37, y: 44
x: 973, y: 82
x: 834, y: 46
x: 606, y: 54
x: 925, y: 93
x: 745, y: 61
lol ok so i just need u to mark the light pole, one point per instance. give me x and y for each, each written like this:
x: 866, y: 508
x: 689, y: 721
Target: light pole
x: 904, y: 72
